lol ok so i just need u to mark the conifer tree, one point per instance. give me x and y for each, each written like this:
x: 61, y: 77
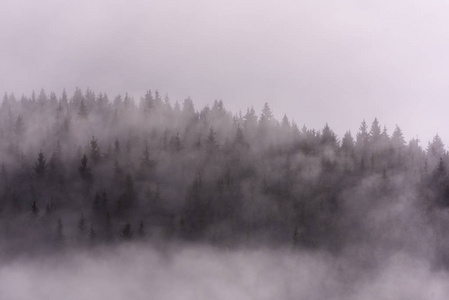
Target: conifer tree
x: 95, y: 154
x: 397, y: 138
x: 126, y: 232
x: 239, y: 138
x: 40, y: 166
x: 19, y: 127
x: 361, y: 142
x: 375, y: 132
x: 328, y: 137
x: 436, y: 148
x: 116, y: 147
x: 34, y: 208
x: 347, y: 143
x: 211, y: 142
x: 141, y: 231
x: 83, y: 113
x: 84, y: 170
x: 285, y: 123
x: 266, y: 116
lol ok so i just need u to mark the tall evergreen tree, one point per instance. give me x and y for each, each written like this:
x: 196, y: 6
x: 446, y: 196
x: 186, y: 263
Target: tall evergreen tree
x: 397, y: 138
x: 83, y: 113
x: 95, y: 153
x: 361, y: 142
x: 375, y: 132
x: 40, y: 166
x: 84, y: 170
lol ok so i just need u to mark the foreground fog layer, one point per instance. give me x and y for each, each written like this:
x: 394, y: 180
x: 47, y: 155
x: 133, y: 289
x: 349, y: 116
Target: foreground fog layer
x: 140, y: 272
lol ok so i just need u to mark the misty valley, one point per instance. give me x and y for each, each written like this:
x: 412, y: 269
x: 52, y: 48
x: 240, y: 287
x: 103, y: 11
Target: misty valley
x: 196, y: 203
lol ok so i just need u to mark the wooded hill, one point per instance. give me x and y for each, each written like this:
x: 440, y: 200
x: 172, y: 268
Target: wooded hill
x: 85, y: 170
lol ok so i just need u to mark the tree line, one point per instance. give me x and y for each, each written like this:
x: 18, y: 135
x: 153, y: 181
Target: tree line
x: 85, y: 170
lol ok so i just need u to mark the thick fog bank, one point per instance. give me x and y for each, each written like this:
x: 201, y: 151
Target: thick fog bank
x: 200, y: 272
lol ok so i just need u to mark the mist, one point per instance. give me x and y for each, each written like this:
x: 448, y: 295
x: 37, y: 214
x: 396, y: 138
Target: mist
x: 116, y: 196
x: 357, y: 59
x: 190, y: 149
x: 191, y: 272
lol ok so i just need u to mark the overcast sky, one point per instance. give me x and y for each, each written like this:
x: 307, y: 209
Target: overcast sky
x: 318, y: 60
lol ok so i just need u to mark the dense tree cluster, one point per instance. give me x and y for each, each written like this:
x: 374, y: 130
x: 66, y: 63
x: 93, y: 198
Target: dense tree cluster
x: 84, y: 170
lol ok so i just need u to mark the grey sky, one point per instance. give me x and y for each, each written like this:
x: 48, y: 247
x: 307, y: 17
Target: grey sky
x: 318, y: 61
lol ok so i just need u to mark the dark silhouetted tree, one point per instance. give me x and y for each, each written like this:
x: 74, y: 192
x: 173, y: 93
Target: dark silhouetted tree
x: 34, y: 208
x: 347, y: 143
x: 40, y: 166
x: 141, y: 230
x: 126, y: 233
x: 95, y: 154
x: 84, y: 170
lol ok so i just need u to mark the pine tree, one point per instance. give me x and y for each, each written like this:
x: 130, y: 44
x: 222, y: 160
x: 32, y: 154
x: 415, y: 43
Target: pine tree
x: 328, y: 137
x: 147, y: 102
x: 146, y: 162
x: 266, y: 116
x: 239, y: 138
x: 19, y: 127
x: 141, y: 231
x: 347, y: 143
x: 176, y: 143
x: 435, y: 148
x: 397, y: 139
x: 126, y: 232
x: 42, y: 99
x: 40, y: 166
x: 83, y: 113
x: 95, y: 154
x: 375, y: 132
x: 361, y: 142
x: 116, y: 147
x: 188, y: 109
x: 84, y: 170
x: 250, y: 119
x: 211, y: 142
x: 285, y: 123
x: 34, y: 208
x: 157, y: 100
x: 440, y: 170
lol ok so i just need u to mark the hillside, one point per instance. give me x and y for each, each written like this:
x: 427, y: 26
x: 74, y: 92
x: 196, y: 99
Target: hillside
x: 85, y: 170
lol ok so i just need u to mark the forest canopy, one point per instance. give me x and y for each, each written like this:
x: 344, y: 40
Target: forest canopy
x: 85, y: 170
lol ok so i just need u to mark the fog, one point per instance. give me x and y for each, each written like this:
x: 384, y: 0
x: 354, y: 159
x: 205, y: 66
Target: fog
x: 120, y: 198
x: 319, y: 61
x: 192, y: 272
x: 323, y: 173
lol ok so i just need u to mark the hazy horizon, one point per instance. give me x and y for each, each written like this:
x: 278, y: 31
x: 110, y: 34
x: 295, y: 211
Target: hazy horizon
x: 317, y: 62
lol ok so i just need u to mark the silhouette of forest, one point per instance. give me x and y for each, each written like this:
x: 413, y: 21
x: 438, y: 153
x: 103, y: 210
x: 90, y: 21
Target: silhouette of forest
x: 86, y: 170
